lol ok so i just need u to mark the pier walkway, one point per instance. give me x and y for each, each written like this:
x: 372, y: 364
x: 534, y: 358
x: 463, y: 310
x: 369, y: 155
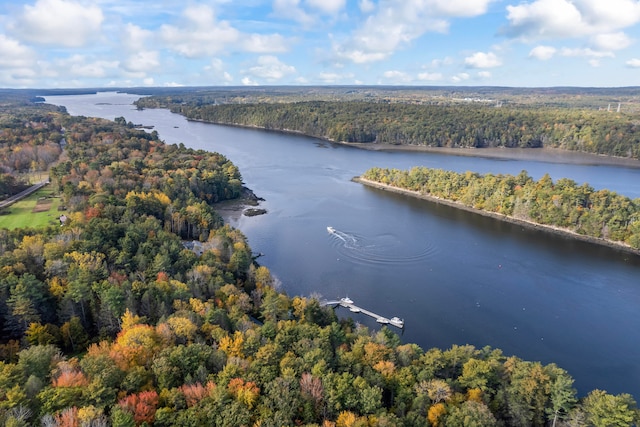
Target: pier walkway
x: 348, y: 303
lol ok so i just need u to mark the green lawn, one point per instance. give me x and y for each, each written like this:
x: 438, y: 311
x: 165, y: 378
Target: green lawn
x: 20, y: 214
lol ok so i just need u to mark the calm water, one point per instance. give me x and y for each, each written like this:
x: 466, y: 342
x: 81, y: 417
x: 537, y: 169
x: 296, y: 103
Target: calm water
x: 456, y: 278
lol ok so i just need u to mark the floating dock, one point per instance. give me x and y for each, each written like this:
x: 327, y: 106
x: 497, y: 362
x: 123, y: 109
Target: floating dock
x: 348, y: 303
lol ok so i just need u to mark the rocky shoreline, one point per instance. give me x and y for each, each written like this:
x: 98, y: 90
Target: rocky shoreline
x: 232, y: 210
x: 529, y: 224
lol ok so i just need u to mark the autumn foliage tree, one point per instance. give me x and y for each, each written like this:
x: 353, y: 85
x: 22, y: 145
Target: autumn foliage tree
x: 141, y: 405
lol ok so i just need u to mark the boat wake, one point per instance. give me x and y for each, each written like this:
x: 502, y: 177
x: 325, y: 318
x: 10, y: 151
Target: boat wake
x: 347, y: 239
x: 381, y: 249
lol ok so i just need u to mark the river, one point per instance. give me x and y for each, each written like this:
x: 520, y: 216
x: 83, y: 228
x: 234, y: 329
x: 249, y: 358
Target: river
x: 454, y: 277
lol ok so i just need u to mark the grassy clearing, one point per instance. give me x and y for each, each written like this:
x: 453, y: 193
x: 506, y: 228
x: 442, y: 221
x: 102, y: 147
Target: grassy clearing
x: 31, y: 212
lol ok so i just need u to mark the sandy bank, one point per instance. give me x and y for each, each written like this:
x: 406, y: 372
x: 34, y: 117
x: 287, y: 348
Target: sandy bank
x: 532, y: 225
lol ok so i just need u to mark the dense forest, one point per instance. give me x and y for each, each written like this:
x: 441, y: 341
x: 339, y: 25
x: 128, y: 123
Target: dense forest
x: 143, y: 308
x: 471, y: 125
x: 564, y: 204
x: 556, y: 97
x: 30, y: 141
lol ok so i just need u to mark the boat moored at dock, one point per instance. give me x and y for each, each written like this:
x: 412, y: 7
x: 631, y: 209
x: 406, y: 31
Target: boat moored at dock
x: 347, y: 302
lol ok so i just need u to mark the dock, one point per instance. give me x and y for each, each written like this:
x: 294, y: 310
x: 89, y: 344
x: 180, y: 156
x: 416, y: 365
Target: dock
x: 348, y: 303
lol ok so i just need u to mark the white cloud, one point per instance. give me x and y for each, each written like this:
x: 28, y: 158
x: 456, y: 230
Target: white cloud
x: 397, y: 76
x: 437, y: 63
x: 612, y: 41
x: 17, y: 63
x: 264, y: 43
x: 85, y: 67
x: 545, y: 19
x: 173, y: 84
x: 431, y: 77
x: 216, y: 71
x: 543, y: 53
x: 484, y: 74
x: 542, y: 19
x: 633, y: 63
x: 59, y: 22
x: 248, y: 82
x: 139, y: 60
x: 609, y: 14
x: 458, y: 8
x: 330, y: 78
x: 290, y: 9
x: 330, y: 7
x: 366, y: 6
x: 135, y: 38
x: 142, y: 62
x: 200, y: 34
x: 361, y: 56
x: 270, y: 68
x: 483, y: 60
x: 586, y: 52
x: 295, y: 10
x: 15, y: 55
x: 460, y: 77
x: 397, y: 23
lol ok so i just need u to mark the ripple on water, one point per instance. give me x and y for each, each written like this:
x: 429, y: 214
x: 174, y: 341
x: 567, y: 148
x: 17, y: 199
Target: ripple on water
x: 382, y: 249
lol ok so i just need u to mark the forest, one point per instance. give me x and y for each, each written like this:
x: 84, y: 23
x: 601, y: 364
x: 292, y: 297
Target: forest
x: 556, y: 97
x: 30, y: 138
x: 564, y: 204
x: 142, y: 308
x: 427, y: 122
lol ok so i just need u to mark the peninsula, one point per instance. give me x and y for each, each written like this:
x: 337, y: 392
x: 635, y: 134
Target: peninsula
x: 564, y: 208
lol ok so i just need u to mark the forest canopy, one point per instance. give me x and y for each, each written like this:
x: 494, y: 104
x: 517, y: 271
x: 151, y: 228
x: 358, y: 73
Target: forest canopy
x: 31, y: 139
x: 432, y: 124
x: 143, y: 308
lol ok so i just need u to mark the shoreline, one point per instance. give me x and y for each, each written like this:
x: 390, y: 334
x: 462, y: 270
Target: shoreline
x: 545, y: 154
x: 232, y: 210
x: 500, y: 217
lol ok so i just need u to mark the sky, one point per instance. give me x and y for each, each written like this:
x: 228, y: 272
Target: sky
x: 126, y: 43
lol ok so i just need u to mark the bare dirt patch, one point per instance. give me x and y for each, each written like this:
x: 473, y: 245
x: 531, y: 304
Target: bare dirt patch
x: 42, y: 205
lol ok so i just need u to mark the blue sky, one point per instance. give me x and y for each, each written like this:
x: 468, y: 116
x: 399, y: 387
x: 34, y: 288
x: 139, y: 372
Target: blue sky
x: 106, y: 43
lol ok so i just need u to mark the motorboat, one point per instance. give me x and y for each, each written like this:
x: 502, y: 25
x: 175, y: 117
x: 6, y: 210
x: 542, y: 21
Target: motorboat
x: 396, y: 321
x: 331, y: 230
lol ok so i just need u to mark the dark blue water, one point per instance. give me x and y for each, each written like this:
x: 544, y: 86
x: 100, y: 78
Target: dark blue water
x: 455, y: 277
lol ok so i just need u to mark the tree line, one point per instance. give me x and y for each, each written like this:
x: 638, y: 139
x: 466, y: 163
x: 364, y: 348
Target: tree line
x: 451, y: 125
x: 601, y: 214
x: 112, y: 319
x: 30, y: 138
